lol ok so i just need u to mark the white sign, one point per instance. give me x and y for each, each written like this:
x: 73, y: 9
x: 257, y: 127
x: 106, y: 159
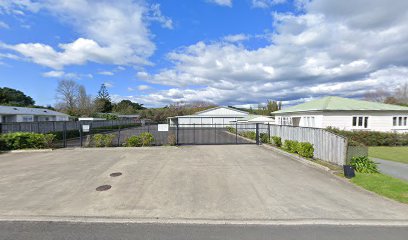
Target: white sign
x: 163, y: 127
x: 85, y: 128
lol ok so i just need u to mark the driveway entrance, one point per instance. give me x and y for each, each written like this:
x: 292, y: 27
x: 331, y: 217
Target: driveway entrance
x: 225, y: 182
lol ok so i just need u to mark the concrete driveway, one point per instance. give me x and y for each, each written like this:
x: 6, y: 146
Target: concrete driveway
x: 235, y: 182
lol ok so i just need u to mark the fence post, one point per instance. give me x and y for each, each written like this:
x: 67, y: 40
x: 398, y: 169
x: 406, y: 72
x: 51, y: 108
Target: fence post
x: 257, y: 134
x: 194, y: 133
x: 236, y: 132
x: 64, y: 134
x: 269, y: 133
x: 215, y: 135
x: 177, y: 134
x: 119, y: 136
x: 80, y: 133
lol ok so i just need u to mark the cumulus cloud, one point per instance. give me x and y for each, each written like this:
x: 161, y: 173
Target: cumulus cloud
x: 65, y: 75
x: 143, y: 87
x: 236, y: 38
x: 110, y: 33
x: 227, y: 3
x: 266, y: 3
x: 106, y: 73
x: 328, y: 50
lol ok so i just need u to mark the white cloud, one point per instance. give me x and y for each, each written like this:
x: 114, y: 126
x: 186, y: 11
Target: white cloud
x: 106, y: 73
x: 311, y: 55
x: 54, y: 74
x: 143, y: 87
x: 65, y: 75
x: 4, y: 25
x: 110, y: 33
x: 227, y: 3
x: 236, y: 38
x: 108, y: 84
x: 266, y: 3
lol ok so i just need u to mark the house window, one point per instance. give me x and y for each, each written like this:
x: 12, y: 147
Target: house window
x: 360, y: 122
x: 400, y: 121
x: 27, y: 118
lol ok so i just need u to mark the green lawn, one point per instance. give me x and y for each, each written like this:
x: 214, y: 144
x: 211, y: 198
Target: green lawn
x: 384, y: 185
x: 396, y: 154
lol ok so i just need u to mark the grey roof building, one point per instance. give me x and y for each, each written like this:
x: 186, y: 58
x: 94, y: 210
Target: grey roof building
x: 24, y: 114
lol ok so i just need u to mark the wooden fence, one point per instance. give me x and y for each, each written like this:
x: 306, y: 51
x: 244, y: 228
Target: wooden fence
x: 327, y: 146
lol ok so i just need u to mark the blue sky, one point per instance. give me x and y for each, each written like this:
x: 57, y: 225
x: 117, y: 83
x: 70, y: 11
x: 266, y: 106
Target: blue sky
x: 229, y: 52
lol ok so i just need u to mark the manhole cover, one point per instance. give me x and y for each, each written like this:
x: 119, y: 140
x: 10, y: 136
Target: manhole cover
x: 116, y: 174
x: 103, y: 188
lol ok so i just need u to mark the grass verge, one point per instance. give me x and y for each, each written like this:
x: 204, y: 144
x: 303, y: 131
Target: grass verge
x: 396, y: 154
x: 383, y: 185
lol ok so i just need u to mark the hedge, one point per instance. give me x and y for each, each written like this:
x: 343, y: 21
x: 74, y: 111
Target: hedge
x: 143, y: 140
x: 25, y: 140
x: 371, y: 138
x: 304, y: 149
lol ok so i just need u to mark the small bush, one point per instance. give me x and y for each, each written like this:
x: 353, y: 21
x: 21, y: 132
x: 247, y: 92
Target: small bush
x: 133, y: 141
x: 248, y: 134
x: 103, y: 140
x: 364, y: 165
x: 277, y: 141
x: 305, y: 149
x: 143, y: 140
x: 98, y: 140
x: 146, y: 138
x: 24, y: 140
x: 231, y: 129
x: 264, y: 138
x: 291, y: 146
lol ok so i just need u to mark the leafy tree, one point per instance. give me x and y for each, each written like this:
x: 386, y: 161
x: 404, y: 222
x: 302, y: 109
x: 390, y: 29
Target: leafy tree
x: 127, y: 107
x: 10, y: 96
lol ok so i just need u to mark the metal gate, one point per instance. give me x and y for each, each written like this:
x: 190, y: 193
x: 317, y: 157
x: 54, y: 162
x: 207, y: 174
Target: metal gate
x: 210, y: 134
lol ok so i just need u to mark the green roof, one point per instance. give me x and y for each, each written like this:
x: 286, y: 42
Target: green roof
x: 341, y: 104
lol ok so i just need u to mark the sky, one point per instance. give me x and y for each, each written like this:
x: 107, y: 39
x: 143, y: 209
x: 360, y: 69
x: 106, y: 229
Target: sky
x: 227, y: 52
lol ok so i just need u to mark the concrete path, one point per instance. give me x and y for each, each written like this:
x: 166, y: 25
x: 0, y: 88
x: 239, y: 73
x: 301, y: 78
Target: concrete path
x: 234, y: 182
x: 395, y: 169
x: 102, y: 231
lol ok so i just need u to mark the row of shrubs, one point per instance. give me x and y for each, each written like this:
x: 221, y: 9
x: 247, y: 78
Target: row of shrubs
x: 25, y: 140
x: 370, y: 138
x: 106, y: 140
x: 304, y: 149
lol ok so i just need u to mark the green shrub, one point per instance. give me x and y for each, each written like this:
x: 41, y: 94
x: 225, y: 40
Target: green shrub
x: 291, y: 146
x: 371, y: 138
x: 248, y: 134
x: 133, y: 141
x: 231, y: 129
x: 364, y: 165
x: 146, y: 138
x: 277, y: 141
x: 107, y: 141
x: 24, y: 140
x: 264, y: 138
x: 103, y: 140
x: 142, y: 140
x: 305, y: 149
x: 98, y: 140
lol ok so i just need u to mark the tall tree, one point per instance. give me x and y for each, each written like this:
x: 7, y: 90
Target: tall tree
x: 103, y: 101
x: 127, y: 107
x: 85, y: 104
x: 10, y: 96
x: 67, y: 96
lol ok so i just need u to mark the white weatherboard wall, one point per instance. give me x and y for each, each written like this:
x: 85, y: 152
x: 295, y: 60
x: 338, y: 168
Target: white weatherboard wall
x: 377, y: 120
x: 221, y: 112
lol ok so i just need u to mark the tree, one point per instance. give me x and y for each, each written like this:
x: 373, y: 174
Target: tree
x: 398, y: 97
x: 103, y: 102
x: 67, y: 95
x: 85, y: 104
x: 10, y: 96
x: 127, y: 107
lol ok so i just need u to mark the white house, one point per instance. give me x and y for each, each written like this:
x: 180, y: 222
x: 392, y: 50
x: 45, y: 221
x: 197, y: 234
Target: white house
x: 257, y: 119
x: 23, y: 114
x: 345, y: 114
x: 218, y: 115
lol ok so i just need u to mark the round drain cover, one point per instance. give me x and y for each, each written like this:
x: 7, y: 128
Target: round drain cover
x: 116, y: 174
x: 103, y: 188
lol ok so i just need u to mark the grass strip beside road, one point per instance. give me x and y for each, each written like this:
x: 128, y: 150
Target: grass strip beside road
x: 396, y: 154
x: 384, y: 185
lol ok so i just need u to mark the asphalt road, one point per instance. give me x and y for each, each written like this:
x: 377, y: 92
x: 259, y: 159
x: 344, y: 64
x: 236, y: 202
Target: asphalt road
x: 101, y: 231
